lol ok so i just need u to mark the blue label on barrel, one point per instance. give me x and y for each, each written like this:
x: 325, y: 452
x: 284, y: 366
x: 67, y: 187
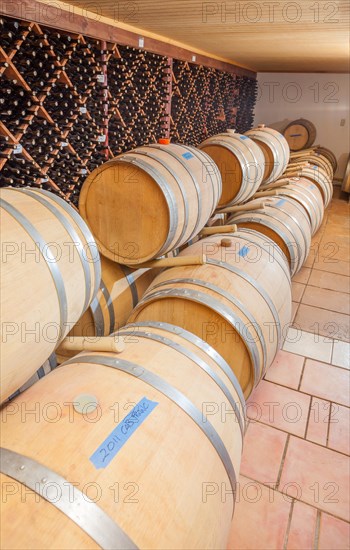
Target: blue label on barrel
x: 119, y: 436
x: 243, y: 252
x: 243, y: 137
x: 188, y: 156
x: 280, y: 202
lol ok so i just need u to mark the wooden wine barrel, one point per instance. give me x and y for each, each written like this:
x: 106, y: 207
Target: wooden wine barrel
x: 153, y: 436
x: 308, y: 195
x: 275, y: 149
x: 316, y: 159
x: 286, y: 223
x: 149, y: 201
x: 120, y: 290
x: 319, y: 160
x: 300, y: 134
x: 50, y: 272
x: 231, y: 302
x: 328, y: 154
x: 241, y: 164
x: 321, y: 179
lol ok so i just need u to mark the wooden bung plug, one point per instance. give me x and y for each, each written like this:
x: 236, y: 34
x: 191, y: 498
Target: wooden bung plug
x: 226, y: 242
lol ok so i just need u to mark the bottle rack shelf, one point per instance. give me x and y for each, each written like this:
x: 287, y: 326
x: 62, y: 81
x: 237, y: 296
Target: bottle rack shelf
x: 68, y: 103
x: 202, y: 102
x: 244, y: 103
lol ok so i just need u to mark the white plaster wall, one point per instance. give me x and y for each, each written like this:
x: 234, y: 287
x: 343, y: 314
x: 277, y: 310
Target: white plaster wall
x: 321, y: 98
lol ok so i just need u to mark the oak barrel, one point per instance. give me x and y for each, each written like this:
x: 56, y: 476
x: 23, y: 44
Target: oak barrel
x: 319, y: 160
x: 328, y: 154
x: 321, y: 179
x: 232, y: 302
x: 308, y: 195
x: 285, y: 221
x: 275, y: 149
x: 120, y: 290
x: 148, y: 201
x: 300, y: 134
x: 153, y: 436
x: 241, y: 164
x: 315, y: 159
x: 50, y: 273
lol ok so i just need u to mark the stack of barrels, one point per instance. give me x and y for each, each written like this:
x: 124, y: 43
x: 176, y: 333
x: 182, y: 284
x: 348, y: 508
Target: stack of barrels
x: 200, y: 331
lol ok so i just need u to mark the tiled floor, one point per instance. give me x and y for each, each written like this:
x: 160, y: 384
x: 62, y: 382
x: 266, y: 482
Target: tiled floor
x: 294, y: 483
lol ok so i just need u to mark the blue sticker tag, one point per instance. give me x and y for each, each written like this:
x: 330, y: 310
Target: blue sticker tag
x: 312, y: 186
x: 117, y: 439
x: 244, y: 251
x: 280, y: 202
x: 243, y: 137
x: 188, y: 156
x: 315, y: 167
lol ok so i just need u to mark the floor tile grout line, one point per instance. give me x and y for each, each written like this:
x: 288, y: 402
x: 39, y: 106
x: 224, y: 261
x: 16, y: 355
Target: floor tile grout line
x: 302, y: 374
x: 294, y: 280
x: 286, y: 536
x: 308, y: 279
x: 317, y: 529
x: 323, y: 308
x: 303, y: 438
x: 329, y: 422
x: 313, y: 358
x: 296, y: 311
x: 324, y: 271
x: 264, y: 484
x: 282, y: 461
x: 330, y: 340
x: 330, y: 289
x: 325, y: 339
x: 310, y: 394
x: 308, y: 418
x: 319, y: 360
x: 333, y: 350
x: 302, y: 294
x: 333, y: 273
x: 333, y: 347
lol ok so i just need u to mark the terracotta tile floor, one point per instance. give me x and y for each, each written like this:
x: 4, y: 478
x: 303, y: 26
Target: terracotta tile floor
x: 294, y: 483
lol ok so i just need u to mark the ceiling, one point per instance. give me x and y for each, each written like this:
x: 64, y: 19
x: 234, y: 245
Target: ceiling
x: 262, y: 35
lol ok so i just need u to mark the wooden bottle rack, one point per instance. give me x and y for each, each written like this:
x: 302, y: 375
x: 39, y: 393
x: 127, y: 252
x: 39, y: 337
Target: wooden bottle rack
x: 69, y: 103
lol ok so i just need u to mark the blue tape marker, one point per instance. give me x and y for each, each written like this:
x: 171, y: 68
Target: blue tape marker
x: 312, y: 186
x: 280, y: 202
x: 188, y: 156
x: 244, y: 251
x: 315, y: 167
x: 243, y: 137
x: 117, y: 439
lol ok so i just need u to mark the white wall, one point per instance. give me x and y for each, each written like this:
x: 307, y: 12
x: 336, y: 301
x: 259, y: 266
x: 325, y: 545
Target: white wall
x: 321, y: 98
